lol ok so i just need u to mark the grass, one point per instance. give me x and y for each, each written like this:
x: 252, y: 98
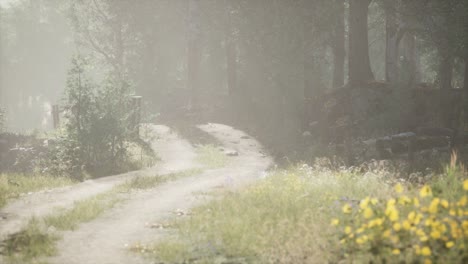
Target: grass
x: 149, y: 182
x: 32, y: 242
x: 14, y: 185
x: 211, y: 157
x: 35, y: 240
x: 314, y: 215
x: 84, y: 211
x: 283, y: 219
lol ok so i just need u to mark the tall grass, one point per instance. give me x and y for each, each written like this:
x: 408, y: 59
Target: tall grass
x: 14, y: 185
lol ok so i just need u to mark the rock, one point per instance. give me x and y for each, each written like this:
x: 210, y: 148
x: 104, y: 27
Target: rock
x: 245, y: 137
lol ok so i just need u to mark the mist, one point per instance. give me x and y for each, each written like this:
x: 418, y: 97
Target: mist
x: 285, y: 110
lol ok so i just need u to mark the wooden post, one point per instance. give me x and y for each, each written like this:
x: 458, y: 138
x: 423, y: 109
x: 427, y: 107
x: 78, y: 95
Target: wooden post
x: 136, y: 120
x: 56, y: 115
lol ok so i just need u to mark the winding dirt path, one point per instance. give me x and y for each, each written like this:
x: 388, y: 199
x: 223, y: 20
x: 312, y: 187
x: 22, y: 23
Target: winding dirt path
x: 103, y: 240
x: 176, y: 155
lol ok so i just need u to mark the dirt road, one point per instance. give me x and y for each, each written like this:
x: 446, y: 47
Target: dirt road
x: 104, y: 240
x: 177, y: 154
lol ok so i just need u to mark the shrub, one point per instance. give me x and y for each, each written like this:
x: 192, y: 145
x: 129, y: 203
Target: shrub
x: 97, y: 132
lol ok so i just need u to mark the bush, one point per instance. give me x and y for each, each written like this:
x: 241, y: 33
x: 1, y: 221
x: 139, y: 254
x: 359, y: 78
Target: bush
x: 97, y: 132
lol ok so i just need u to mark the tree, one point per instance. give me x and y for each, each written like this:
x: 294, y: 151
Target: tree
x: 359, y: 62
x: 102, y: 27
x: 392, y: 41
x: 339, y: 52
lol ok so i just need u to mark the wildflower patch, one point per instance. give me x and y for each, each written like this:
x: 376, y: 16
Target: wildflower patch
x: 417, y: 227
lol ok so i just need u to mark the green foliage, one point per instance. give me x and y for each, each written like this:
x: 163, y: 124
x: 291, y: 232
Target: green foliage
x: 98, y: 132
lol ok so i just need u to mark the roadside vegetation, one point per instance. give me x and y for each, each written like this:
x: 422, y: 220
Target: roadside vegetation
x: 314, y: 215
x: 14, y: 185
x: 39, y: 237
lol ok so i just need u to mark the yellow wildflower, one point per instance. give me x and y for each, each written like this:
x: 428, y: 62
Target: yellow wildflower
x: 396, y: 251
x: 348, y: 230
x: 435, y: 234
x: 392, y: 213
x: 444, y: 203
x: 397, y: 227
x: 368, y: 213
x: 449, y: 244
x: 404, y: 200
x: 335, y: 222
x: 433, y: 207
x: 426, y: 251
x: 398, y: 188
x: 364, y: 203
x: 425, y: 191
x: 465, y: 185
x: 347, y: 209
x: 427, y: 261
x: 406, y: 225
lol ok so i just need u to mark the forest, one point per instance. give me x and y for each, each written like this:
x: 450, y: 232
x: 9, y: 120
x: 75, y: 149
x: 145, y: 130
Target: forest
x: 233, y: 131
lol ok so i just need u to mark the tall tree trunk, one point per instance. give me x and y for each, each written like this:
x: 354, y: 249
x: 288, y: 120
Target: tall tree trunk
x: 194, y: 52
x: 339, y: 52
x: 465, y: 76
x: 411, y: 65
x: 445, y: 71
x: 391, y: 49
x: 359, y: 62
x: 465, y: 96
x: 445, y: 83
